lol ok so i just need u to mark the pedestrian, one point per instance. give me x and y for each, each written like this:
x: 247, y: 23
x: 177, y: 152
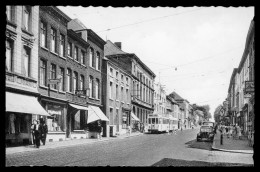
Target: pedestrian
x: 129, y: 130
x: 44, y: 130
x: 37, y: 133
x: 234, y: 132
x: 99, y: 128
x: 33, y: 135
x: 230, y: 130
x: 227, y: 128
x: 239, y: 132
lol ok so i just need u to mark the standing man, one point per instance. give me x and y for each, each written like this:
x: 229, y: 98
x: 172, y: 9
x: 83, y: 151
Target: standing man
x: 33, y: 134
x: 44, y: 131
x: 37, y: 133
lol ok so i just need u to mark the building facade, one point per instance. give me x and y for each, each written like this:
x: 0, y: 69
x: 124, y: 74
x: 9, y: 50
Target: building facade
x: 142, y: 91
x: 160, y: 100
x: 22, y: 105
x: 117, y: 97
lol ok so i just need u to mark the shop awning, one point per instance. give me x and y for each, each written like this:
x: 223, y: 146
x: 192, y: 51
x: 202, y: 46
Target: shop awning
x: 23, y: 104
x: 78, y: 107
x: 134, y: 117
x: 95, y: 113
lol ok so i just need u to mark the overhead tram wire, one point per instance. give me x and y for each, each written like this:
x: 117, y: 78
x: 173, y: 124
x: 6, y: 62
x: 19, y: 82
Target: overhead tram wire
x: 149, y: 20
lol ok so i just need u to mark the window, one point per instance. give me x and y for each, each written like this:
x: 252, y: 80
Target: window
x: 9, y: 55
x: 70, y: 49
x: 75, y: 81
x: 76, y: 53
x: 91, y: 85
x: 62, y: 45
x: 122, y: 93
x: 43, y: 36
x: 26, y: 18
x: 62, y: 73
x: 122, y: 78
x: 53, y: 75
x: 117, y: 92
x: 111, y: 90
x: 97, y: 89
x: 127, y: 97
x: 53, y: 40
x: 69, y: 78
x: 81, y: 85
x: 98, y: 61
x: 26, y: 60
x: 10, y: 13
x: 82, y: 57
x: 91, y: 57
x: 111, y: 72
x: 126, y: 80
x: 111, y: 115
x: 116, y: 74
x: 43, y: 72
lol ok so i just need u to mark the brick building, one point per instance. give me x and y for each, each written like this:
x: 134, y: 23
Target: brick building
x: 142, y: 89
x: 21, y: 73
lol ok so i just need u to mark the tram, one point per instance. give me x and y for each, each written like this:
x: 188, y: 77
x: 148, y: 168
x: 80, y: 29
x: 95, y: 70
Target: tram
x: 158, y: 123
x: 173, y: 122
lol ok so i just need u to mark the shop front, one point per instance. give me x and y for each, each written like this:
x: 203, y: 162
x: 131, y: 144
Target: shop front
x: 21, y: 109
x: 56, y: 122
x: 77, y: 121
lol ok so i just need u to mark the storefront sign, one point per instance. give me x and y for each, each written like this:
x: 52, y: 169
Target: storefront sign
x: 54, y: 81
x: 249, y: 87
x: 80, y: 92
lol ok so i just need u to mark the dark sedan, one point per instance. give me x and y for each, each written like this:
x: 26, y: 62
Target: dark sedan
x: 206, y: 133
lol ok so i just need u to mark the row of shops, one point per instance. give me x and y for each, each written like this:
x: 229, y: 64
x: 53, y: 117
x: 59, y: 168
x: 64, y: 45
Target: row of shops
x: 64, y: 119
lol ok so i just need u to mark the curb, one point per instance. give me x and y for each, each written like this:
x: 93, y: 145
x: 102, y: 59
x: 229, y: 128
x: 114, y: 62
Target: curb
x: 62, y: 146
x: 233, y: 151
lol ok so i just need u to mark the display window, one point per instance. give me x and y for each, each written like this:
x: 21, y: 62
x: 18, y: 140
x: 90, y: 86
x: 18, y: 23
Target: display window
x: 54, y: 121
x: 16, y: 123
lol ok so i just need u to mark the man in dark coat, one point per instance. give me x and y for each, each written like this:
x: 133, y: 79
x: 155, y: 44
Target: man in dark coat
x: 37, y: 134
x: 44, y: 131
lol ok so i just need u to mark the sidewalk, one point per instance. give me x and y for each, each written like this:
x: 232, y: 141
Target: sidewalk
x: 66, y: 143
x: 231, y: 145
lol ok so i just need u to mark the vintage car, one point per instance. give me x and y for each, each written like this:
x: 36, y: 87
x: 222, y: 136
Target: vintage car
x: 206, y: 133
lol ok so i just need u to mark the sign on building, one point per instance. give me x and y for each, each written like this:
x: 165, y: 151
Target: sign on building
x: 249, y: 87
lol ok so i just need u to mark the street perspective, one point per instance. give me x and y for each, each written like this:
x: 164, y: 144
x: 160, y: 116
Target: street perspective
x: 129, y: 87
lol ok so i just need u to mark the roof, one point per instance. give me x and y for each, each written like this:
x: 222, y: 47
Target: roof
x: 93, y: 34
x: 176, y: 96
x: 171, y: 99
x: 111, y: 50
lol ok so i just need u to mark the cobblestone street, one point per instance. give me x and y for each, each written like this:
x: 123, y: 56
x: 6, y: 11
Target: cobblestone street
x: 142, y: 150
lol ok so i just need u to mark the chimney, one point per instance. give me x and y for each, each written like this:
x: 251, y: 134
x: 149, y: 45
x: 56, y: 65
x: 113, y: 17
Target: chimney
x: 118, y: 44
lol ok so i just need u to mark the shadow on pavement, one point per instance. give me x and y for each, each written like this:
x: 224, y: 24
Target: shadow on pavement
x: 165, y: 162
x: 199, y: 145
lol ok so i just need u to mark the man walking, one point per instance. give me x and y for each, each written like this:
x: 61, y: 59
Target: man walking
x: 44, y: 130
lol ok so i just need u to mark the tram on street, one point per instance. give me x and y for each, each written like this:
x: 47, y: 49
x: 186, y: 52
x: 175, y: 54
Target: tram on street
x: 158, y: 123
x: 173, y: 124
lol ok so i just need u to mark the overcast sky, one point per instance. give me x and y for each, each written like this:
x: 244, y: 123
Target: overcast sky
x: 192, y: 50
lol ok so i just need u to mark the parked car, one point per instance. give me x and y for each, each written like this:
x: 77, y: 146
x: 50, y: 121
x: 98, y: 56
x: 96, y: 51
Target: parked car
x: 206, y: 133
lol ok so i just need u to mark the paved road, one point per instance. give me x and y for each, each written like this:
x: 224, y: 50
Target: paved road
x: 144, y: 150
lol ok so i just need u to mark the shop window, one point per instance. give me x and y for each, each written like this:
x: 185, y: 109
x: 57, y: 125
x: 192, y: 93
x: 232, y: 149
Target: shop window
x: 17, y: 123
x: 54, y: 122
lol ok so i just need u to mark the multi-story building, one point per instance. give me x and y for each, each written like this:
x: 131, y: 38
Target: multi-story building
x: 159, y: 100
x: 52, y: 65
x: 117, y: 96
x: 66, y: 75
x: 21, y: 73
x: 92, y: 48
x: 232, y: 98
x: 172, y: 109
x: 143, y: 78
x: 185, y: 106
